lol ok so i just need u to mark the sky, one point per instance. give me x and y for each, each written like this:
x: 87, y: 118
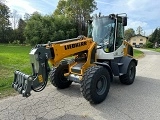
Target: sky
x: 144, y: 13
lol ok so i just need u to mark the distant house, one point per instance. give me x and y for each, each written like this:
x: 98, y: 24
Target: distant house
x: 138, y: 40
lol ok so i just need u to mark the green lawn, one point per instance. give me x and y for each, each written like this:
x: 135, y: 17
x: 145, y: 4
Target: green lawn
x: 12, y: 58
x: 138, y: 53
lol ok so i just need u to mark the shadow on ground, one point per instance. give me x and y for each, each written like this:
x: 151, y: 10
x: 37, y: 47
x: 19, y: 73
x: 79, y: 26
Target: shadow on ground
x: 73, y: 90
x: 134, y: 101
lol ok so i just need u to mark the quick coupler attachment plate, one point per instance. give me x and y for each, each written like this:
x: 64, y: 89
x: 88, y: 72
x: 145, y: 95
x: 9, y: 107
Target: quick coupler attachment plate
x: 22, y: 83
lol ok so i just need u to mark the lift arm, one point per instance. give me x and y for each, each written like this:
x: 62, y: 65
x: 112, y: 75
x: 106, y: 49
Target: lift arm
x: 53, y: 52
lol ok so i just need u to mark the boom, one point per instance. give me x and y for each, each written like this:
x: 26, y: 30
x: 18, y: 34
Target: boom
x: 53, y: 52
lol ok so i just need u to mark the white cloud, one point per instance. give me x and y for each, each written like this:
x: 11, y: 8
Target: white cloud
x: 144, y: 13
x: 49, y: 2
x: 139, y: 4
x: 22, y: 6
x: 108, y: 3
x: 147, y: 30
x: 136, y: 24
x: 144, y: 9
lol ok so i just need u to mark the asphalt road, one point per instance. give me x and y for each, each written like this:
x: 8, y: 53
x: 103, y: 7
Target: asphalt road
x: 139, y: 101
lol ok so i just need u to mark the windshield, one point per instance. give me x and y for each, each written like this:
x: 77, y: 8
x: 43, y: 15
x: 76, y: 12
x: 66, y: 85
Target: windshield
x: 103, y: 30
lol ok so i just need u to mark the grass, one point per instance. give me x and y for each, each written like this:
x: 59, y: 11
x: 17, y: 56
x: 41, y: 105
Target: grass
x: 12, y: 58
x: 17, y: 58
x: 138, y: 54
x: 157, y: 49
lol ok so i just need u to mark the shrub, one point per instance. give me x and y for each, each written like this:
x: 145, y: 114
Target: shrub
x: 16, y: 42
x: 148, y: 44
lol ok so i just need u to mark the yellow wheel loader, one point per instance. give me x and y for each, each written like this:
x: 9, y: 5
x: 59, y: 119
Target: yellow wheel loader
x: 95, y: 60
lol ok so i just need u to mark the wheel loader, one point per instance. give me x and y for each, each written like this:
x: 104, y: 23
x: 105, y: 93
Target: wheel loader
x: 91, y: 61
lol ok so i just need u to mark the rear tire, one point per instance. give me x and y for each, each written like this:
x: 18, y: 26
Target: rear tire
x: 95, y: 84
x: 57, y: 77
x: 129, y: 77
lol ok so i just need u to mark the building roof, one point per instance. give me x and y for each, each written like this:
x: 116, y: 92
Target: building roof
x: 138, y: 35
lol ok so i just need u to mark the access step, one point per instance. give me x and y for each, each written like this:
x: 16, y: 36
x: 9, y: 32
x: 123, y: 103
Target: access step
x: 77, y: 68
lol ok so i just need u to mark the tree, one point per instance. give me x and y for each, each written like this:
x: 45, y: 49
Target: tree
x: 129, y: 33
x: 33, y: 29
x: 4, y: 23
x: 61, y: 8
x: 78, y: 10
x: 155, y: 36
x: 139, y: 30
x: 15, y: 18
x: 158, y: 36
x: 27, y: 16
x: 41, y: 29
x: 20, y: 30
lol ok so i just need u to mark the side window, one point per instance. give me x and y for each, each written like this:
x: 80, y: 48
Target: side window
x: 120, y: 30
x: 120, y: 33
x: 110, y: 39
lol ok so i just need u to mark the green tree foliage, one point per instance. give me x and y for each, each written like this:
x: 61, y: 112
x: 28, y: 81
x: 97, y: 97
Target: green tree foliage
x: 78, y: 10
x: 65, y: 23
x: 148, y: 44
x: 155, y: 36
x: 5, y: 28
x: 61, y: 8
x: 41, y: 29
x: 129, y: 33
x: 34, y: 28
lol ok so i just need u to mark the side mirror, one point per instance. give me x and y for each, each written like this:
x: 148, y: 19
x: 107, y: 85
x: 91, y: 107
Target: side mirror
x: 83, y: 26
x: 112, y: 16
x: 124, y: 21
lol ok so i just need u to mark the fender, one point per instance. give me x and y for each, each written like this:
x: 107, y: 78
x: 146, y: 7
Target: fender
x: 126, y: 61
x: 108, y: 68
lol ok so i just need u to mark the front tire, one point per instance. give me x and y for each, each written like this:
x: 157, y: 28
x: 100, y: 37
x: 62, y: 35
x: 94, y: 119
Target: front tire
x: 57, y: 77
x: 129, y: 77
x: 95, y: 84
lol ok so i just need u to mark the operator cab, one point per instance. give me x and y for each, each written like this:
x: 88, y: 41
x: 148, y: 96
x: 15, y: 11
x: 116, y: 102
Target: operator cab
x: 108, y: 31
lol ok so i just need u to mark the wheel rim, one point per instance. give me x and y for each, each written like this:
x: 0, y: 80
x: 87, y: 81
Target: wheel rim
x: 132, y: 72
x: 101, y: 85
